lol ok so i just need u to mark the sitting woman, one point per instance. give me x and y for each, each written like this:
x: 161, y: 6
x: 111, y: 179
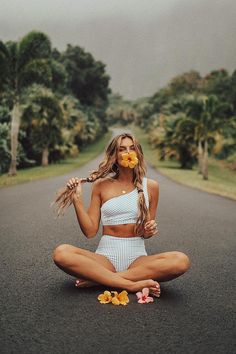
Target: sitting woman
x: 126, y: 202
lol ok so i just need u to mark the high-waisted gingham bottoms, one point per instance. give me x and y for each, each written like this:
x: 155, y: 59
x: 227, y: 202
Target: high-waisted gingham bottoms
x: 121, y: 251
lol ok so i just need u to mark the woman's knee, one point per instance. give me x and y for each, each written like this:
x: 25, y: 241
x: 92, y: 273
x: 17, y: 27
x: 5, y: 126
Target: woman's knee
x: 61, y: 253
x: 181, y: 262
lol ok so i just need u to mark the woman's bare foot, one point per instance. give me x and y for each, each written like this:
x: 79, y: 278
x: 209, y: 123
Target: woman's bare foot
x: 84, y: 283
x: 153, y: 286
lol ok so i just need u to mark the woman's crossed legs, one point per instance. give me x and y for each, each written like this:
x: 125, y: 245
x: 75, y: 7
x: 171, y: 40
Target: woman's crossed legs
x: 93, y: 268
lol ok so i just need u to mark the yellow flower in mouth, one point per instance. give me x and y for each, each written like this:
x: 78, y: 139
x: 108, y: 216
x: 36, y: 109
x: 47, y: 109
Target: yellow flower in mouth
x: 129, y: 159
x: 121, y: 298
x: 105, y: 298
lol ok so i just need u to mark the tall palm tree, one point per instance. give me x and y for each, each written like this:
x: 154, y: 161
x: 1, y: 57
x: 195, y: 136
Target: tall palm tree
x: 193, y: 106
x: 21, y: 64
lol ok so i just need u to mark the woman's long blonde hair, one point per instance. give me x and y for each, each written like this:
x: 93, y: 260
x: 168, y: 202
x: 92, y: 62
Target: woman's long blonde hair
x: 109, y: 166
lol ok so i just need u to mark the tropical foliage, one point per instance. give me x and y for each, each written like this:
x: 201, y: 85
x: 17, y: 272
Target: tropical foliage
x: 51, y: 103
x: 192, y: 117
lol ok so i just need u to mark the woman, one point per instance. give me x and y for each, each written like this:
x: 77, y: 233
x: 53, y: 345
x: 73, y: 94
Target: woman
x: 126, y: 202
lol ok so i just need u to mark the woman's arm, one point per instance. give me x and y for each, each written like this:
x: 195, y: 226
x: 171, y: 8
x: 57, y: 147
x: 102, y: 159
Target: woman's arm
x: 153, y: 192
x: 153, y: 187
x: 88, y: 221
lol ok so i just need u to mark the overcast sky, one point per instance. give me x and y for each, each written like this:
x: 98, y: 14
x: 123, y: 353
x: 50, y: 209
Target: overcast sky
x: 144, y: 43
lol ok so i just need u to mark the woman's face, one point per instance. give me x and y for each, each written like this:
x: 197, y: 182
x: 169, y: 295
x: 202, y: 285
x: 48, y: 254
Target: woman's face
x: 126, y: 145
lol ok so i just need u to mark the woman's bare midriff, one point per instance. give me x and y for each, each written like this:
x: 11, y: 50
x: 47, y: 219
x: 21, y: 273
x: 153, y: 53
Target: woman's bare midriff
x: 124, y: 230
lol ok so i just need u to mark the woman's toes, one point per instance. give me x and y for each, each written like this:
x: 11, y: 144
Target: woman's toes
x: 155, y: 291
x: 83, y: 283
x: 79, y: 283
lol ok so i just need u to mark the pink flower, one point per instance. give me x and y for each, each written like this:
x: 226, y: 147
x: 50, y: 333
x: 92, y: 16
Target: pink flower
x: 143, y: 297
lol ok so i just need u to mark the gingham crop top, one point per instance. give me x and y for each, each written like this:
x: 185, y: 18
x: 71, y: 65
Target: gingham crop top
x: 123, y: 209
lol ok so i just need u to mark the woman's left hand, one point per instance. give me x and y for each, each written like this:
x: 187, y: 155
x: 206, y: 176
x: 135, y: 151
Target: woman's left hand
x: 150, y: 229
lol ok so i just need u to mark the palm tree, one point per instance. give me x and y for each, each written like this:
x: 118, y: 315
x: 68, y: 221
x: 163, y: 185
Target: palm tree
x: 179, y: 137
x: 22, y: 63
x: 193, y: 106
x: 44, y: 115
x: 158, y: 134
x: 209, y: 115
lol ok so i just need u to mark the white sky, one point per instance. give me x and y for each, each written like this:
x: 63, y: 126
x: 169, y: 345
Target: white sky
x: 144, y: 43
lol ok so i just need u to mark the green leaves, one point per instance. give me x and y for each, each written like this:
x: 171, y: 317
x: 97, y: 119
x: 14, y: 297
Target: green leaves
x: 43, y: 114
x: 35, y: 45
x: 5, y: 154
x: 36, y: 71
x: 87, y: 78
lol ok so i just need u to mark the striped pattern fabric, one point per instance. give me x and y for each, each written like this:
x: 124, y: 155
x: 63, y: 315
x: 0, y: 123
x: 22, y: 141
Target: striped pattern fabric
x: 123, y: 209
x: 121, y: 251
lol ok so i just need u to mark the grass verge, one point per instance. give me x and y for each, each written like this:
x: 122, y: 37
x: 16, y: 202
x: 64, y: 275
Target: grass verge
x: 222, y: 180
x: 65, y: 166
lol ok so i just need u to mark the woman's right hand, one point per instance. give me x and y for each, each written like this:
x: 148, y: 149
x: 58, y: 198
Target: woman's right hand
x: 75, y: 182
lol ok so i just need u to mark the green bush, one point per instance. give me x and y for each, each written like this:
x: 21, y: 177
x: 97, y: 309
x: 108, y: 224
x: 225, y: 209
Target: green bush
x: 5, y: 154
x: 232, y: 157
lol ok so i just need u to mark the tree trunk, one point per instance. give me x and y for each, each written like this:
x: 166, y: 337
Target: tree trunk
x: 15, y: 125
x: 205, y: 161
x: 162, y: 155
x: 200, y: 156
x: 45, y: 154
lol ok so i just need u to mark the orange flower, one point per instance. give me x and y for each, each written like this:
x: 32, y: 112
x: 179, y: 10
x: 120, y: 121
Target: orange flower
x: 129, y: 159
x: 105, y: 298
x: 116, y: 299
x: 121, y: 298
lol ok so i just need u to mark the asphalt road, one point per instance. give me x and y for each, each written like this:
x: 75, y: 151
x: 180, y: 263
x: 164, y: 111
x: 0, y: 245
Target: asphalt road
x: 42, y: 311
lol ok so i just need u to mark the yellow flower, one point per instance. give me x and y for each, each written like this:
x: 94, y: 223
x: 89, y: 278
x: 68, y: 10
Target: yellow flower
x: 129, y: 159
x: 121, y: 298
x: 116, y: 299
x: 105, y: 298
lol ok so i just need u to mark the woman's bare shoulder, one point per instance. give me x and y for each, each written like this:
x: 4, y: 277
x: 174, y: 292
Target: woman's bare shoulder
x: 153, y: 189
x: 152, y: 184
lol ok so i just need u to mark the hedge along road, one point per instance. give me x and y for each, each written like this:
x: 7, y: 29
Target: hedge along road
x: 43, y: 312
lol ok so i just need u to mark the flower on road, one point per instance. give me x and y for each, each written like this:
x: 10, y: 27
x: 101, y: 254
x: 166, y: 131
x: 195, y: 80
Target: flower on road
x: 121, y: 298
x: 143, y: 297
x: 116, y: 299
x: 105, y: 298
